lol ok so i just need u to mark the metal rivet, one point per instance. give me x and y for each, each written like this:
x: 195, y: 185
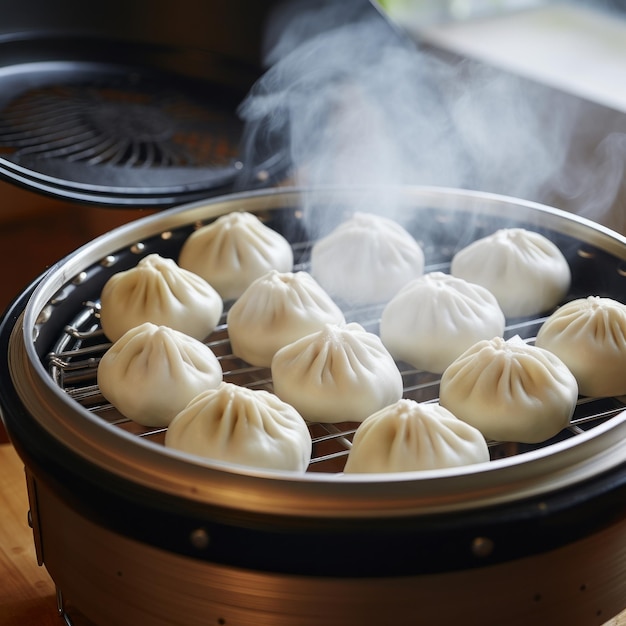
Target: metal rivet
x: 199, y: 538
x: 482, y: 546
x: 44, y: 315
x: 80, y: 278
x: 60, y: 296
x: 108, y: 261
x: 138, y: 248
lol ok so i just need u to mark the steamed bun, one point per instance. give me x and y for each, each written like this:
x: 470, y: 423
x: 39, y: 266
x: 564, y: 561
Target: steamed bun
x: 233, y: 251
x: 510, y: 390
x: 366, y: 259
x: 239, y: 425
x: 157, y: 290
x: 524, y: 270
x: 152, y: 372
x: 275, y: 310
x: 589, y: 336
x: 341, y: 373
x: 436, y: 317
x: 408, y: 436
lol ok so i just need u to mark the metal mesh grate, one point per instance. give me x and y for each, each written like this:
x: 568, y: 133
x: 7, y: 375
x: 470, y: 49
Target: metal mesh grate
x: 73, y: 365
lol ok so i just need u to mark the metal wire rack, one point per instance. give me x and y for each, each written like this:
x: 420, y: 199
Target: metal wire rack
x: 74, y: 362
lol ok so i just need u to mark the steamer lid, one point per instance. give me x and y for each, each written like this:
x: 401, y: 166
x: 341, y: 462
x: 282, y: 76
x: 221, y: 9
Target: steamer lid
x: 135, y: 104
x: 132, y: 104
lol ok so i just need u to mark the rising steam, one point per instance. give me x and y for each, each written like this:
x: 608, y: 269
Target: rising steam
x: 361, y: 104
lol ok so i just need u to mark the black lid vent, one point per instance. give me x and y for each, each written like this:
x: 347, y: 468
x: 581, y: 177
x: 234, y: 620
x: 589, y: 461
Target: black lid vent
x: 122, y: 142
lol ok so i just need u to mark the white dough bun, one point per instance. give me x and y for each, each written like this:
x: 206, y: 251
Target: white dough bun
x: 234, y: 424
x: 157, y: 290
x: 409, y: 436
x: 366, y: 259
x: 589, y: 336
x: 339, y: 374
x: 510, y: 390
x: 524, y: 270
x: 233, y: 251
x: 433, y: 319
x: 275, y: 310
x: 152, y: 372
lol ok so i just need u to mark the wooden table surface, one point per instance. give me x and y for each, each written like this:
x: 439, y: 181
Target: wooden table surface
x: 27, y: 593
